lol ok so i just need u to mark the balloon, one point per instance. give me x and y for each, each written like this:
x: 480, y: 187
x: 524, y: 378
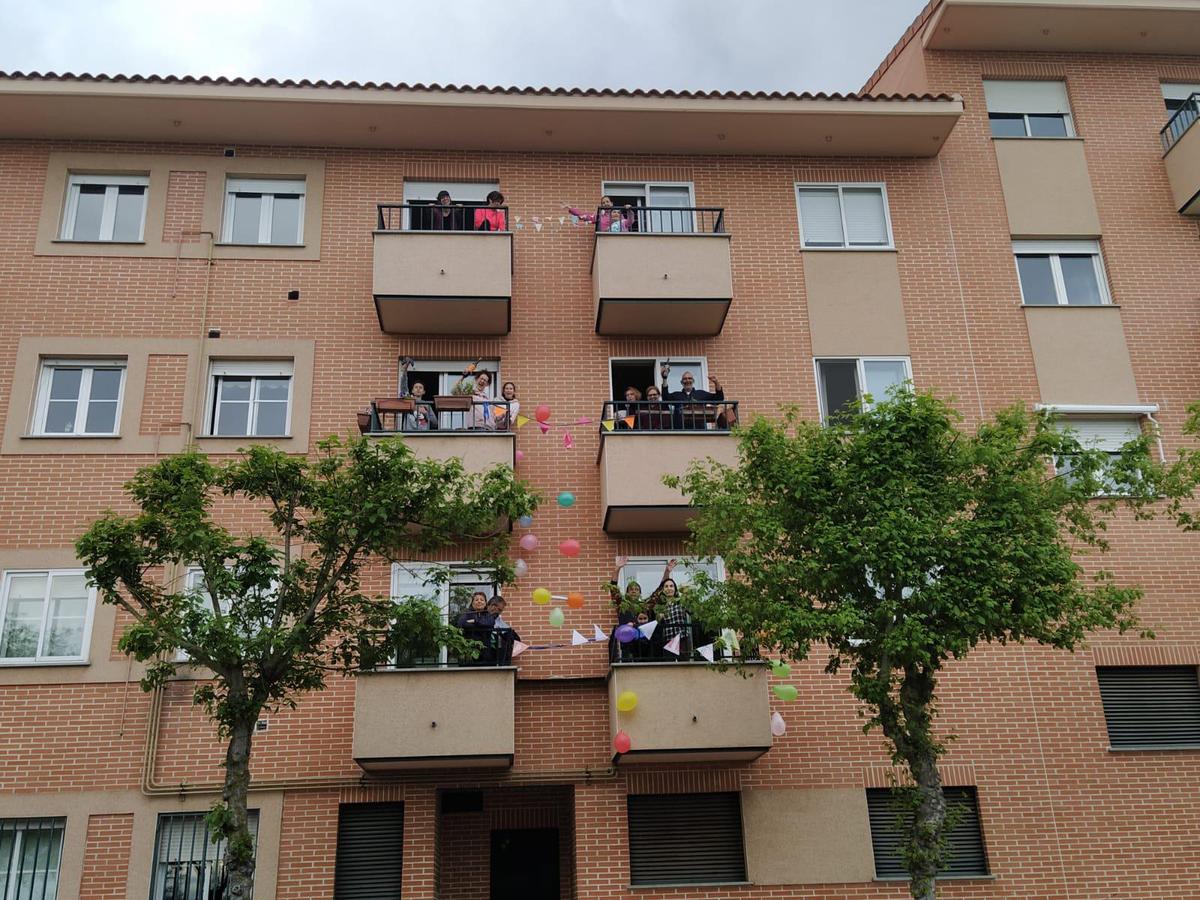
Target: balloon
x: 785, y: 691
x: 520, y: 454
x: 626, y: 633
x: 542, y: 413
x: 627, y: 701
x: 781, y: 669
x: 622, y: 743
x: 541, y: 597
x: 575, y: 600
x: 778, y: 726
x: 569, y: 547
x: 557, y: 617
x: 529, y: 542
x: 566, y: 499
x: 521, y: 568
x: 525, y: 521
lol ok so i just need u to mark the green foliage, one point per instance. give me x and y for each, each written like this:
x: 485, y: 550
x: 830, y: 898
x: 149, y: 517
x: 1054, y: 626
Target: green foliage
x: 416, y: 637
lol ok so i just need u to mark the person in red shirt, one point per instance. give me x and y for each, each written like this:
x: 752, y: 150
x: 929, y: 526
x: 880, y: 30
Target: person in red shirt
x: 491, y: 217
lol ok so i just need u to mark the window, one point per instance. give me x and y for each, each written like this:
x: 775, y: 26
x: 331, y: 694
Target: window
x: 187, y: 864
x: 30, y: 854
x: 840, y: 382
x: 670, y: 204
x: 1028, y: 109
x: 439, y: 377
x: 640, y: 373
x: 843, y: 216
x: 965, y: 853
x: 45, y: 617
x: 1109, y: 434
x: 370, y: 846
x: 422, y: 195
x: 647, y: 571
x: 263, y: 211
x: 250, y: 398
x: 79, y: 398
x: 1151, y: 707
x: 105, y: 208
x: 1062, y: 273
x: 1175, y: 96
x: 685, y: 839
x: 416, y: 581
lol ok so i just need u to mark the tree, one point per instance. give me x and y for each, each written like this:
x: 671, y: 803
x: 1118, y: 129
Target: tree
x: 280, y: 609
x: 899, y: 542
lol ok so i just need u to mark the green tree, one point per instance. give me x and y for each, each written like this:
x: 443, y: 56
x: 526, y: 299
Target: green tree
x: 899, y: 541
x: 280, y: 609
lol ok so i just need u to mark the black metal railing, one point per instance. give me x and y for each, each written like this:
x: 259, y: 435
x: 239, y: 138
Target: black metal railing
x: 495, y: 649
x: 660, y: 219
x: 1183, y: 119
x: 668, y: 415
x: 691, y: 637
x: 445, y: 414
x: 435, y: 217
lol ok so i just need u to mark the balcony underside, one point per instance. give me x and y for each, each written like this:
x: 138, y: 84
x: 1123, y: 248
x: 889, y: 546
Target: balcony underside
x: 1183, y: 171
x: 703, y: 755
x: 698, y: 318
x: 444, y: 315
x: 383, y: 765
x: 643, y: 519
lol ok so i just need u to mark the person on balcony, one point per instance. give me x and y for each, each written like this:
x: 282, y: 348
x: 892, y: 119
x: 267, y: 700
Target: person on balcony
x: 609, y: 219
x: 622, y: 414
x: 688, y: 403
x: 422, y: 418
x: 633, y: 611
x: 503, y: 634
x: 673, y: 620
x: 654, y: 415
x: 476, y: 624
x: 475, y: 385
x: 445, y: 214
x: 506, y: 416
x: 492, y: 217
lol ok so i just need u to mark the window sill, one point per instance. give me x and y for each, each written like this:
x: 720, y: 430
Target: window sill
x: 1032, y: 137
x: 847, y: 249
x: 40, y: 663
x: 99, y: 243
x: 1070, y: 305
x: 260, y: 246
x: 1152, y: 748
x: 70, y: 437
x: 689, y: 884
x: 246, y: 437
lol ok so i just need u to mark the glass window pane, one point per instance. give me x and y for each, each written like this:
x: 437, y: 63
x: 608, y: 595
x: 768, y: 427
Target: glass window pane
x: 1047, y: 126
x: 23, y: 616
x: 1079, y: 276
x: 273, y: 388
x: 882, y: 374
x: 89, y: 209
x: 1037, y: 280
x: 233, y: 419
x: 285, y: 219
x: 866, y: 219
x: 68, y: 615
x: 1007, y: 124
x: 131, y: 203
x: 64, y: 384
x: 235, y: 387
x: 101, y: 417
x: 247, y: 208
x: 106, y: 384
x: 668, y: 220
x: 60, y: 417
x: 821, y: 217
x: 839, y: 384
x: 272, y: 419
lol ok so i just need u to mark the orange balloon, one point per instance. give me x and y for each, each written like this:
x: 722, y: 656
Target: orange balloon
x: 575, y: 600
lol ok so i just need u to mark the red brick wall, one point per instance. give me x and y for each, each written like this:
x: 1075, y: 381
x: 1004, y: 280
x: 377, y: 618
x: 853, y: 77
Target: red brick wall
x: 106, y: 857
x: 162, y: 404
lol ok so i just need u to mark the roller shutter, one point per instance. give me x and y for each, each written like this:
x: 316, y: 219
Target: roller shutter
x: 965, y: 852
x: 685, y: 839
x: 370, y: 842
x: 1151, y: 706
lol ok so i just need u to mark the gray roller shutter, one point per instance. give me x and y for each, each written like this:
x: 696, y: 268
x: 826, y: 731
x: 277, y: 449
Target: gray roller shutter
x: 965, y: 852
x: 370, y: 842
x: 1151, y: 706
x: 685, y: 838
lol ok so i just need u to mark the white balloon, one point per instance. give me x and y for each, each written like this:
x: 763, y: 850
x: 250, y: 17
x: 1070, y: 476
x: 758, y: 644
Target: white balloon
x: 521, y: 568
x: 778, y: 726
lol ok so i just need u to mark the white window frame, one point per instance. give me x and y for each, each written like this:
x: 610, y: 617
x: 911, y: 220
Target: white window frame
x: 39, y: 659
x: 252, y: 369
x: 268, y: 187
x: 1056, y: 249
x: 841, y: 186
x: 607, y: 188
x: 1068, y: 116
x: 42, y: 402
x: 450, y: 373
x: 108, y: 216
x: 678, y: 367
x: 12, y: 864
x: 684, y: 563
x: 461, y: 573
x: 860, y: 374
x: 1029, y: 135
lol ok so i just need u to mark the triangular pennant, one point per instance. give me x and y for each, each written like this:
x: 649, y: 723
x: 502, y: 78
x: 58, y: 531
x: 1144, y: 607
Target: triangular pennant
x: 519, y: 647
x: 577, y: 639
x: 629, y: 421
x: 706, y: 651
x: 672, y: 646
x: 545, y: 428
x: 568, y: 441
x: 499, y: 411
x: 599, y: 635
x: 522, y: 420
x: 608, y: 424
x: 648, y: 629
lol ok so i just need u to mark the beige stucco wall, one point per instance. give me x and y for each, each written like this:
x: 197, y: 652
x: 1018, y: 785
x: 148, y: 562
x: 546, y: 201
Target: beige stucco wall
x: 443, y: 264
x: 1080, y: 355
x: 1183, y: 171
x: 691, y: 706
x: 854, y: 305
x: 434, y: 713
x: 815, y: 836
x: 662, y: 267
x: 1047, y: 191
x: 479, y: 451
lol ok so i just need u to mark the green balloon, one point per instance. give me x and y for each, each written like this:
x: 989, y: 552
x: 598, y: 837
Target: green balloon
x: 785, y: 691
x: 556, y: 617
x: 781, y: 669
x: 566, y: 499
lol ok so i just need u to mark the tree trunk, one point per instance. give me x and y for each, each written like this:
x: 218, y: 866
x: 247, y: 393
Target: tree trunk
x: 239, y: 849
x: 928, y: 822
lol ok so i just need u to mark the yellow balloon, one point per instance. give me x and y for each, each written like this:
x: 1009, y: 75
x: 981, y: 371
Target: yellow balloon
x: 541, y: 596
x: 627, y: 701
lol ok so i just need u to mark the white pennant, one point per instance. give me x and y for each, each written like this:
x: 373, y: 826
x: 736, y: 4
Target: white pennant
x: 706, y: 651
x: 672, y: 646
x: 600, y: 635
x: 577, y: 639
x: 648, y: 629
x: 519, y: 647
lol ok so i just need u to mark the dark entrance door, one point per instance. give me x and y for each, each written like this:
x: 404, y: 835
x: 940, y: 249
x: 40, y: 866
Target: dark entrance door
x: 525, y: 864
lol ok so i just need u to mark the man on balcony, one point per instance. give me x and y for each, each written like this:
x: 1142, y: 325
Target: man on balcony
x: 688, y: 403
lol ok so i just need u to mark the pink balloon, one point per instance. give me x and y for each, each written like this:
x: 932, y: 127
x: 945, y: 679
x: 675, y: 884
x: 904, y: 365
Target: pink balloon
x: 542, y: 413
x: 520, y: 455
x: 569, y: 547
x: 622, y: 743
x: 529, y: 542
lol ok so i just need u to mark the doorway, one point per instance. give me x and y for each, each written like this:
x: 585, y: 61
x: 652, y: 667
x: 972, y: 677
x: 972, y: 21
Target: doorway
x: 524, y: 864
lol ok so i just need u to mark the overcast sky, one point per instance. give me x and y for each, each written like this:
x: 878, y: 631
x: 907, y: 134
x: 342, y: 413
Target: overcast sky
x: 816, y: 45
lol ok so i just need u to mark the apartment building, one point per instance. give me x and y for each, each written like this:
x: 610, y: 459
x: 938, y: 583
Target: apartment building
x: 1006, y: 213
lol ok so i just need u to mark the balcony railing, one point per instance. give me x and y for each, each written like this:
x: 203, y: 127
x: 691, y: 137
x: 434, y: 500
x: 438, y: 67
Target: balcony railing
x: 1183, y: 119
x: 660, y: 220
x: 691, y: 636
x: 449, y: 414
x: 434, y: 217
x: 669, y: 415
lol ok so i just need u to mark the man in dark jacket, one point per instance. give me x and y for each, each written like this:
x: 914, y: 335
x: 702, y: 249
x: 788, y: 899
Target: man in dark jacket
x: 689, y: 403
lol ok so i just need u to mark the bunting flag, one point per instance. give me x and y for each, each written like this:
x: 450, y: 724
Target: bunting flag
x: 522, y: 421
x: 519, y: 647
x: 628, y: 421
x: 599, y: 635
x: 706, y: 651
x: 577, y: 639
x: 608, y: 424
x: 499, y: 411
x: 672, y: 646
x: 568, y: 441
x: 545, y: 427
x: 648, y: 629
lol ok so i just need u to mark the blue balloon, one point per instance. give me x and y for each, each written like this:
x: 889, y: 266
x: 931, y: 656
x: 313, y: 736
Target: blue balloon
x: 566, y: 499
x: 525, y: 521
x: 626, y: 633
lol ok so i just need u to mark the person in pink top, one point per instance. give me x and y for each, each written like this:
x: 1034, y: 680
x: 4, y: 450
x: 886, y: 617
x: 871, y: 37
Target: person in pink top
x: 610, y: 219
x: 491, y: 217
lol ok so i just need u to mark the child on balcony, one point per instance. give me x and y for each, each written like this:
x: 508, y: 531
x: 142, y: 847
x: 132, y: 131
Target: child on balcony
x: 610, y: 220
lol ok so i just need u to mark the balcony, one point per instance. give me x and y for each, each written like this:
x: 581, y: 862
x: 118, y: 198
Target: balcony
x: 434, y: 718
x: 445, y: 281
x: 691, y: 712
x: 648, y: 440
x: 444, y: 428
x: 1181, y: 156
x: 666, y: 271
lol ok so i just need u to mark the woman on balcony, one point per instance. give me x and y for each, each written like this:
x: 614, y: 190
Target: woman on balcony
x: 610, y: 219
x: 492, y: 217
x: 508, y: 417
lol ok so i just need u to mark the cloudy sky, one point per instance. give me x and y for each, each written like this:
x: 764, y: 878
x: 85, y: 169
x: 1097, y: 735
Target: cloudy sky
x: 830, y: 45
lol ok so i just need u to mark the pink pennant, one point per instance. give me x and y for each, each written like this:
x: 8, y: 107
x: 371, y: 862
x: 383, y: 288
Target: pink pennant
x: 519, y: 647
x: 545, y: 428
x: 568, y: 441
x: 671, y: 646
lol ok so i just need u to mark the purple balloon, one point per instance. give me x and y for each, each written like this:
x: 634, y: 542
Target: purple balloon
x: 626, y: 633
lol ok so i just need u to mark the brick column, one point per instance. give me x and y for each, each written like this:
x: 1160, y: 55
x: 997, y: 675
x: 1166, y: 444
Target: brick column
x: 420, y: 878
x: 601, y: 841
